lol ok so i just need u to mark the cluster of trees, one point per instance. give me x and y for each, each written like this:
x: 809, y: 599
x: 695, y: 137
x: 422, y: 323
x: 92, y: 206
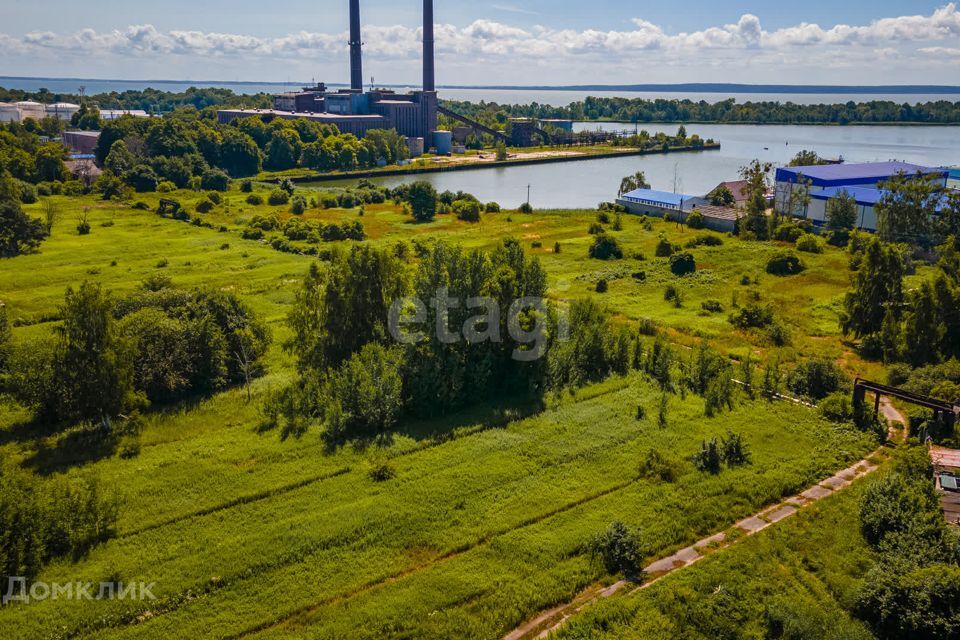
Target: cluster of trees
x: 913, y: 589
x: 919, y: 326
x: 45, y: 519
x: 19, y: 233
x: 726, y: 111
x: 113, y: 356
x: 184, y: 147
x: 147, y: 99
x: 915, y: 210
x: 28, y: 156
x: 425, y: 203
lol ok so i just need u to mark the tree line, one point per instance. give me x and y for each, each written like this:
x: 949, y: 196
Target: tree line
x: 723, y: 112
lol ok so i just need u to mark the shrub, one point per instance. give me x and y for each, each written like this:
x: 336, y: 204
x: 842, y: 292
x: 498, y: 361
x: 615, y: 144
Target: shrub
x: 215, y: 197
x: 620, y: 550
x: 329, y: 201
x: 525, y: 208
x: 278, y: 197
x: 491, y: 207
x: 556, y: 247
x: 664, y: 247
x: 298, y: 205
x: 787, y: 232
x: 246, y: 186
x: 809, y: 243
x: 682, y: 264
x: 166, y: 187
x: 254, y: 199
x: 602, y: 286
x: 836, y: 407
x: 467, y: 210
x: 817, y: 379
x: 705, y: 240
x: 382, y: 471
x: 785, y: 263
x: 709, y: 458
x: 204, y: 206
x: 712, y: 306
x: 655, y: 466
x: 595, y: 228
x: 214, y: 180
x: 605, y: 247
x: 734, y: 450
x: 753, y: 316
x: 696, y: 220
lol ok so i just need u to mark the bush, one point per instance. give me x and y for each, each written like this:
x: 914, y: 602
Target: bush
x: 620, y: 549
x: 595, y: 228
x: 682, y: 264
x: 329, y: 201
x: 467, y: 210
x: 705, y: 240
x: 204, y: 206
x: 602, y: 286
x: 278, y: 197
x: 785, y: 263
x: 836, y: 407
x: 809, y: 243
x: 166, y: 187
x: 525, y: 208
x: 664, y: 248
x: 817, y: 379
x: 246, y: 186
x: 734, y: 450
x: 753, y: 316
x: 254, y: 199
x: 712, y: 306
x: 214, y: 180
x: 787, y: 232
x: 605, y: 247
x: 709, y: 458
x: 696, y: 220
x: 491, y: 207
x: 298, y: 205
x: 142, y: 179
x: 655, y: 466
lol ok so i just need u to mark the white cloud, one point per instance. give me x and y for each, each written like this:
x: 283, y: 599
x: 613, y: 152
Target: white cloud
x: 489, y: 41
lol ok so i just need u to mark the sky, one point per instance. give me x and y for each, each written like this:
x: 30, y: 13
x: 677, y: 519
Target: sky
x: 495, y: 42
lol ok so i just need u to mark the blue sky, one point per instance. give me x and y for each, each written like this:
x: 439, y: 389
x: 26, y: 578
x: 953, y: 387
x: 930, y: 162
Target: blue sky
x: 494, y: 42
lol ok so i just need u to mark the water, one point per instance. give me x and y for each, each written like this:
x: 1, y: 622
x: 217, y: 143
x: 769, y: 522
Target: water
x: 555, y: 98
x: 585, y: 184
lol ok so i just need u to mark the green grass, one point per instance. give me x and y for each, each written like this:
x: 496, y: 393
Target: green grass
x: 486, y: 521
x: 803, y: 572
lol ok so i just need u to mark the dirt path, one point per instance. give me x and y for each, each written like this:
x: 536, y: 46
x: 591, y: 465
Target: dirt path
x: 551, y: 620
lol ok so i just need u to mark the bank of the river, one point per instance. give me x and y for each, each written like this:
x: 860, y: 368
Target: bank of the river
x: 415, y: 169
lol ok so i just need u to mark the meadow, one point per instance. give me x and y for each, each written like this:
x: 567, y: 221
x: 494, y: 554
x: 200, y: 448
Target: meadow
x: 247, y: 533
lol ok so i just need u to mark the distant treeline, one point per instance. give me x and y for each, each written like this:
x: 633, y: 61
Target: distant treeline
x: 147, y: 99
x: 727, y: 111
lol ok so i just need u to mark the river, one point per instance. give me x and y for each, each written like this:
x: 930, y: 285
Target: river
x: 577, y: 185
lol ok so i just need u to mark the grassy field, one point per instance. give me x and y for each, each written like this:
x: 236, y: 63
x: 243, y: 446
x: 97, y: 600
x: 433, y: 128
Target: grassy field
x: 248, y: 534
x: 798, y: 579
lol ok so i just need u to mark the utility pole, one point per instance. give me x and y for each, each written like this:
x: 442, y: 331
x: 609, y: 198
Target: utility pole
x: 528, y: 195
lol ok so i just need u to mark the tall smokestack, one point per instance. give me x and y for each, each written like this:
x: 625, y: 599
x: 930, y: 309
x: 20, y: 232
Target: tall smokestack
x: 429, y: 83
x: 356, y: 55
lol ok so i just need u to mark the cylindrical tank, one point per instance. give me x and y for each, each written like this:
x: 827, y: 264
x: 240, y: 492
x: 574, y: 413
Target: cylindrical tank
x: 9, y: 112
x: 33, y: 110
x: 443, y: 141
x: 62, y: 110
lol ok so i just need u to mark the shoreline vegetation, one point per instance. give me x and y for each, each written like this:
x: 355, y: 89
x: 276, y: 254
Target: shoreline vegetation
x: 593, y: 109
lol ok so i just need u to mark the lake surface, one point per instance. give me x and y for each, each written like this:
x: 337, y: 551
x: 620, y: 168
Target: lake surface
x: 587, y: 183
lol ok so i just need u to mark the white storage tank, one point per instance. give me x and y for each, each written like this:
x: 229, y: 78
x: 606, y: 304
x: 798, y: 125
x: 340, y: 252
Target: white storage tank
x: 33, y: 110
x: 62, y: 110
x: 9, y: 112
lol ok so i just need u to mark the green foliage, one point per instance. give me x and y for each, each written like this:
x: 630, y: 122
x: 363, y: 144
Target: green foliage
x: 467, y: 210
x: 119, y: 160
x: 602, y: 286
x: 709, y: 459
x: 842, y: 213
x: 753, y: 316
x: 298, y: 205
x: 632, y: 183
x: 278, y: 197
x: 665, y: 248
x: 620, y: 549
x: 907, y: 209
x: 877, y: 287
x: 817, y: 378
x: 705, y: 240
x: 785, y: 263
x: 683, y: 264
x: 526, y: 207
x: 695, y: 220
x: 605, y: 247
x: 255, y: 199
x: 214, y: 180
x: 837, y: 407
x: 721, y: 197
x: 594, y: 350
x: 422, y: 198
x: 45, y: 519
x: 655, y: 466
x: 19, y: 233
x: 809, y: 243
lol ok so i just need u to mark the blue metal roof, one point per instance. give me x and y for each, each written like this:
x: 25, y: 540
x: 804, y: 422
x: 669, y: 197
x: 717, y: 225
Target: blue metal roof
x: 662, y: 197
x: 863, y: 195
x: 837, y: 175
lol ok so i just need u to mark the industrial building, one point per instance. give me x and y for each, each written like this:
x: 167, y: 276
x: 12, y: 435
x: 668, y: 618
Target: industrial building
x: 825, y: 182
x: 357, y: 111
x: 650, y: 202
